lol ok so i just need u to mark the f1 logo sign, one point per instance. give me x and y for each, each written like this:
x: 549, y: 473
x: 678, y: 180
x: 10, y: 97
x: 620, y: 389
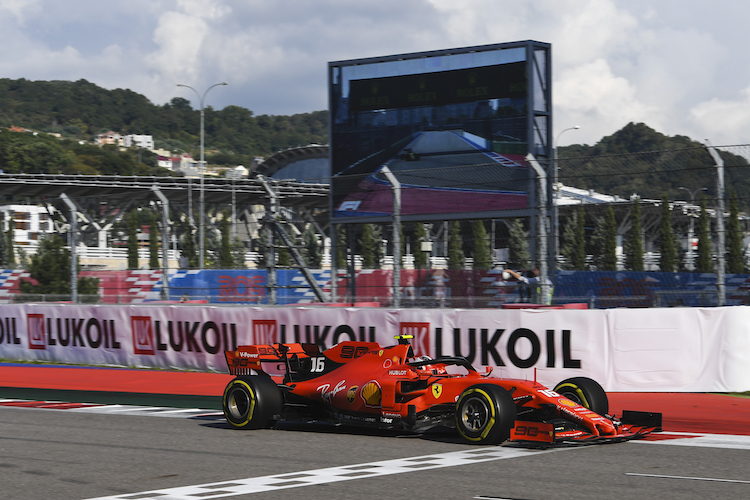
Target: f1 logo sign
x: 264, y: 331
x: 143, y: 335
x: 35, y: 328
x: 349, y: 205
x: 421, y: 334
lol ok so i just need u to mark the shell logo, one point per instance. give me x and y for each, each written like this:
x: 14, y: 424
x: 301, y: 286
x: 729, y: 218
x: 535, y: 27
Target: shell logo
x: 567, y: 402
x: 371, y: 394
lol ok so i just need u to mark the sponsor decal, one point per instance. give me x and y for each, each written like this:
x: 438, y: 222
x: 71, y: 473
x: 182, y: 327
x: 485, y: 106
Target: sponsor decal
x: 437, y: 390
x: 349, y: 205
x: 35, y: 325
x: 241, y: 288
x: 397, y: 373
x: 421, y: 336
x: 521, y: 347
x: 351, y: 394
x: 386, y: 420
x: 349, y: 351
x: 567, y: 402
x: 395, y: 359
x: 387, y: 363
x: 8, y: 333
x: 391, y: 415
x: 143, y: 335
x: 265, y: 331
x: 64, y: 332
x: 328, y: 395
x: 371, y: 394
x: 380, y: 353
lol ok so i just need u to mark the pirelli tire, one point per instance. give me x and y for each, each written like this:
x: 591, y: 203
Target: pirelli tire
x: 252, y: 402
x: 586, y: 392
x: 485, y: 414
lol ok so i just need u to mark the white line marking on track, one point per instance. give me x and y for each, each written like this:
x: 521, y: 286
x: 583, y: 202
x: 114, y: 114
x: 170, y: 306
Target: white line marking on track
x: 330, y: 474
x: 727, y: 441
x: 689, y: 477
x: 116, y: 409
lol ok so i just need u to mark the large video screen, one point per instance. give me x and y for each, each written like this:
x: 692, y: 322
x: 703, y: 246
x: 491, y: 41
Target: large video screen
x: 452, y: 127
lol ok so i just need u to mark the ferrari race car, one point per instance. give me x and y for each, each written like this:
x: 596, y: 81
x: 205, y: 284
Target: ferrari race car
x: 362, y: 383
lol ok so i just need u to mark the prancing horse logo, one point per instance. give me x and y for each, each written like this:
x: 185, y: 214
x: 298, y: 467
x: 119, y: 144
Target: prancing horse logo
x: 437, y: 390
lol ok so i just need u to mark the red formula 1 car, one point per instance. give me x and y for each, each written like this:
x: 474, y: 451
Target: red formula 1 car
x: 362, y: 383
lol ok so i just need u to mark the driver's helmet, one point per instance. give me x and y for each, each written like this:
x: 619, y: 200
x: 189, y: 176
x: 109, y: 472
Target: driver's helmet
x: 440, y: 370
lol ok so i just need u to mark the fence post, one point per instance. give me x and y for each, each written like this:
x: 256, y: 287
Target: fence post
x: 720, y: 250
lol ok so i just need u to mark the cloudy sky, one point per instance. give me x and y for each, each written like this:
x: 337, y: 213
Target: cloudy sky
x: 680, y: 66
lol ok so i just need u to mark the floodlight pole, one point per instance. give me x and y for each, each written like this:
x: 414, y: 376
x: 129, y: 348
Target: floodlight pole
x: 720, y: 251
x: 201, y: 204
x: 72, y: 243
x: 543, y: 226
x: 396, y: 234
x: 556, y: 189
x: 164, y: 241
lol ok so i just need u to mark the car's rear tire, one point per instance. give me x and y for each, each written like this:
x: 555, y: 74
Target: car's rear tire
x: 586, y: 392
x: 252, y: 402
x: 485, y: 414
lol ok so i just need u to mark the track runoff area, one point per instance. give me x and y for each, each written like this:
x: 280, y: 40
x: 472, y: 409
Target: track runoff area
x: 697, y: 420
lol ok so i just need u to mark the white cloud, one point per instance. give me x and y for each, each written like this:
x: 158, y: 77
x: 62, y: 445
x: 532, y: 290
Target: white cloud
x: 679, y: 66
x: 591, y: 96
x: 723, y: 121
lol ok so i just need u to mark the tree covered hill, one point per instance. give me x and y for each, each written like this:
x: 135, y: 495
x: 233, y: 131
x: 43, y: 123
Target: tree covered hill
x: 234, y: 135
x: 639, y: 160
x: 80, y: 110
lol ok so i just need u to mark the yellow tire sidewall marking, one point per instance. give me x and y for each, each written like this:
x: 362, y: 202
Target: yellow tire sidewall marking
x: 490, y: 422
x: 251, y: 398
x: 577, y: 390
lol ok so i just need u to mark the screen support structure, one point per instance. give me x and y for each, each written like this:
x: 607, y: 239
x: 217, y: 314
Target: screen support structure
x: 396, y: 235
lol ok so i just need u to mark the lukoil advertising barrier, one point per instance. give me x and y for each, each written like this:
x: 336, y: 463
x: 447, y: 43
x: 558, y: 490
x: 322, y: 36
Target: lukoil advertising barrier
x: 647, y: 350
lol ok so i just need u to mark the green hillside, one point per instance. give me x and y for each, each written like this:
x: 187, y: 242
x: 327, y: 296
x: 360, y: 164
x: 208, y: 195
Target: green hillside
x: 80, y: 110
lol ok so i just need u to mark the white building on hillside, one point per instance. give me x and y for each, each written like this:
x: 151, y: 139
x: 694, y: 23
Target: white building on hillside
x: 138, y: 141
x: 31, y: 223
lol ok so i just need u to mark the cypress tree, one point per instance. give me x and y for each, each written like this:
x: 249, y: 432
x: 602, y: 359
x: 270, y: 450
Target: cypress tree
x: 634, y: 242
x: 153, y: 243
x: 735, y: 258
x: 609, y: 248
x: 420, y: 235
x: 367, y: 245
x: 518, y: 246
x: 579, y: 243
x: 132, y: 220
x: 482, y: 258
x: 667, y: 251
x: 456, y: 258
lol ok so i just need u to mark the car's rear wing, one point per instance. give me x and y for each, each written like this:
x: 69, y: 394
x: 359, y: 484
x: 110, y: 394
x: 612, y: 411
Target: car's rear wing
x: 251, y: 357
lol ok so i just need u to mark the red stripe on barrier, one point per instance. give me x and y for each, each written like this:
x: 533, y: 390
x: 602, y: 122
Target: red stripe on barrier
x: 689, y: 412
x: 114, y: 380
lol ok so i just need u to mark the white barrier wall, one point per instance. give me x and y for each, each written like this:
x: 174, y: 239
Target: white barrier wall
x: 645, y: 350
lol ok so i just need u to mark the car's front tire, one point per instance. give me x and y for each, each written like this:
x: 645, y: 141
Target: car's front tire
x: 485, y: 414
x: 586, y: 392
x: 252, y: 402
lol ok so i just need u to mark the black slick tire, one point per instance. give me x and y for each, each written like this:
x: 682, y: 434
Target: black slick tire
x: 586, y: 392
x: 252, y: 402
x: 485, y: 414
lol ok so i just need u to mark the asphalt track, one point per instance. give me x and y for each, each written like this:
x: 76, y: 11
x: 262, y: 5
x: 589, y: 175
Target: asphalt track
x: 81, y: 454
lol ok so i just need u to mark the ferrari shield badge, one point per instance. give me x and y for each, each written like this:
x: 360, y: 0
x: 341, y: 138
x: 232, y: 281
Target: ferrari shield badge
x: 437, y: 390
